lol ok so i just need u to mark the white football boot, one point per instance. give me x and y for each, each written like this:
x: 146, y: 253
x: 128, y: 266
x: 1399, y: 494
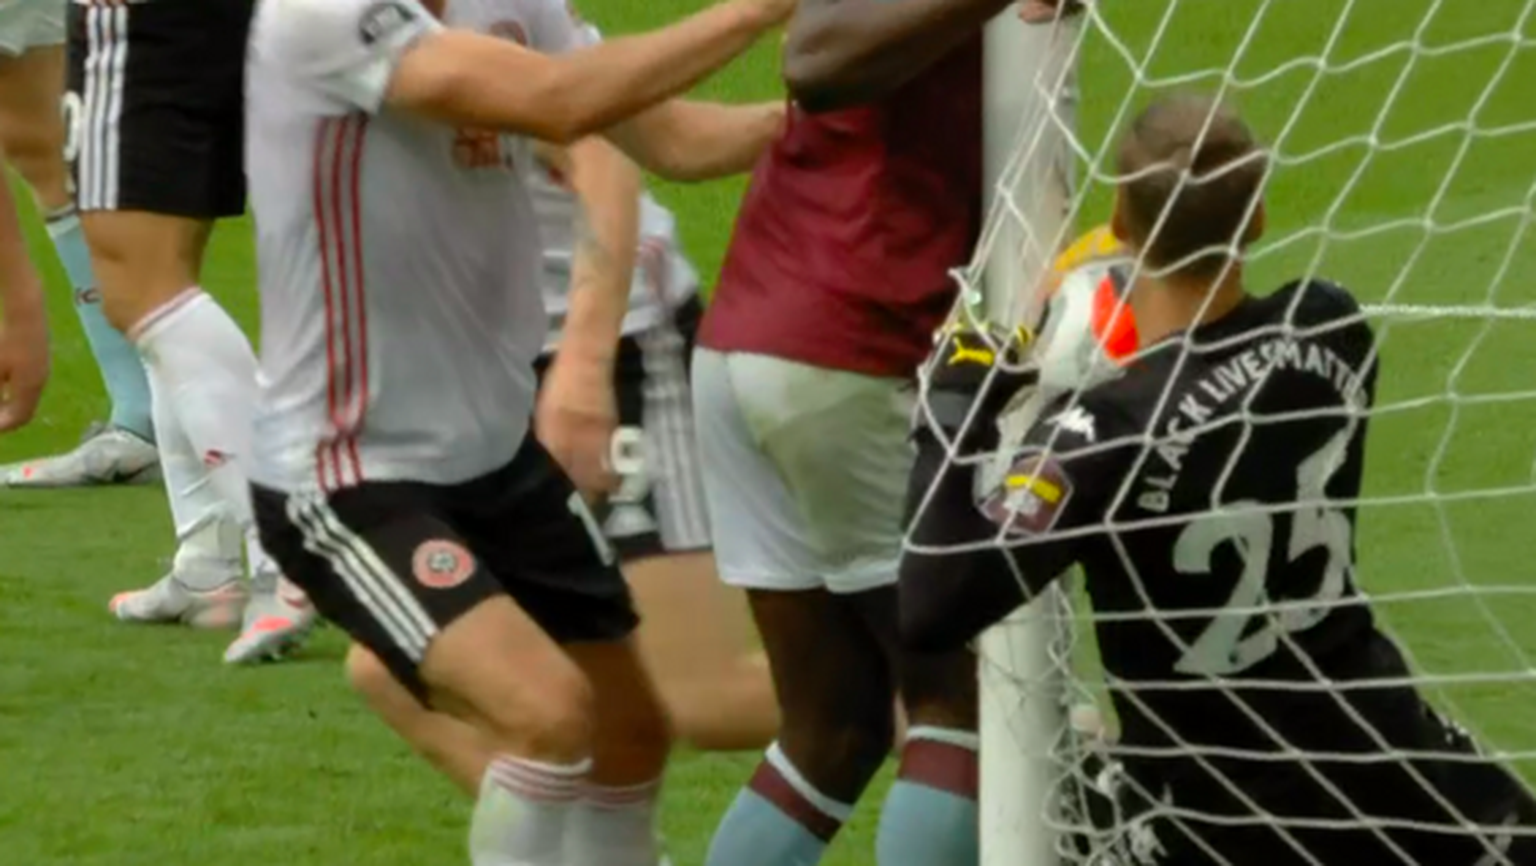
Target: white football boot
x: 106, y: 455
x: 171, y: 600
x: 276, y: 621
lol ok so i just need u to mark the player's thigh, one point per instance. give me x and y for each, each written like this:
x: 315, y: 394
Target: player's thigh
x: 839, y: 440
x: 459, y: 749
x: 632, y: 736
x: 938, y: 689
x: 32, y: 114
x: 833, y: 683
x: 827, y: 666
x: 761, y: 540
x: 693, y: 627
x: 381, y: 562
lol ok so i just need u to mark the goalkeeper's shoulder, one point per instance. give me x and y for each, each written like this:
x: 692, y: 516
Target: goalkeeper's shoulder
x: 1317, y: 301
x: 1331, y: 314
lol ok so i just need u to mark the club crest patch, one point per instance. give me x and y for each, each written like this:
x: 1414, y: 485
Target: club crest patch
x: 442, y: 564
x: 1031, y: 498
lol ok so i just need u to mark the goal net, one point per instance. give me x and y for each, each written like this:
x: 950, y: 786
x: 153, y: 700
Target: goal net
x: 1403, y: 141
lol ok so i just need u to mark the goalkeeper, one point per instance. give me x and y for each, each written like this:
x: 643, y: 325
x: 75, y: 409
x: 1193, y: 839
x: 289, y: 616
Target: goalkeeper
x: 1264, y: 718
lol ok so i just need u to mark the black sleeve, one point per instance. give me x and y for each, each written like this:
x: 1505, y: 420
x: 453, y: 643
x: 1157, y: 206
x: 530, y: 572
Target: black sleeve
x: 942, y: 591
x: 1012, y: 541
x: 947, y: 596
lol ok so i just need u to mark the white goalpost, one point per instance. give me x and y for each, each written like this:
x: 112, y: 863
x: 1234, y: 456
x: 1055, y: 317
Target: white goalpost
x: 1029, y: 80
x: 1404, y: 153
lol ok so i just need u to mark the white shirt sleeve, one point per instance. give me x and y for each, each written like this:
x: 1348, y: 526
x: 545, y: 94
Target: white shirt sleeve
x: 558, y: 29
x: 345, y: 49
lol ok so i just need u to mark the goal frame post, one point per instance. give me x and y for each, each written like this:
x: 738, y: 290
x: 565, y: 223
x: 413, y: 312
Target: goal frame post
x: 1029, y: 92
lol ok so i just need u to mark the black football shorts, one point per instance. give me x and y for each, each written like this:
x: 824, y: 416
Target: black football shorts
x: 155, y: 106
x: 393, y: 563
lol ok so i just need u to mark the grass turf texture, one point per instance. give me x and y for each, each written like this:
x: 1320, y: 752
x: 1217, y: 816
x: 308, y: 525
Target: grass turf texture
x: 127, y: 746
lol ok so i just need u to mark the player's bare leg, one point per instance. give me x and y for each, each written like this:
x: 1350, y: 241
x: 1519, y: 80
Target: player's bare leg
x: 202, y: 376
x: 34, y: 137
x: 834, y: 686
x: 458, y: 749
x: 495, y: 670
x: 697, y: 639
x: 930, y: 812
x: 694, y: 638
x: 613, y: 823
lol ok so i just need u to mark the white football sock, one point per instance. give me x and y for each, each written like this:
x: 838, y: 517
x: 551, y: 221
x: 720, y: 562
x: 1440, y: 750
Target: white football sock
x: 207, y: 539
x: 521, y: 817
x: 202, y: 376
x: 614, y: 826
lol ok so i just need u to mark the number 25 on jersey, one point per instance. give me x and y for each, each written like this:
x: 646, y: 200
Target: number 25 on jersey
x: 1228, y: 645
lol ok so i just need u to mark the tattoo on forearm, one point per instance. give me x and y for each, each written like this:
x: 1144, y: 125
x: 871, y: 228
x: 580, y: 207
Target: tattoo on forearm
x: 589, y: 246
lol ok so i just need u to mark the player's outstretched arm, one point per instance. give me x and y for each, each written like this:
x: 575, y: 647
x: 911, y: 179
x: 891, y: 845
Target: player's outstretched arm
x: 576, y: 414
x: 461, y: 77
x: 686, y: 141
x: 23, y: 320
x: 978, y: 551
x: 844, y: 52
x: 954, y: 580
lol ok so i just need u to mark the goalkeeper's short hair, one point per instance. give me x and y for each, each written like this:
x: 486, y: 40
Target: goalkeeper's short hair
x: 1192, y: 175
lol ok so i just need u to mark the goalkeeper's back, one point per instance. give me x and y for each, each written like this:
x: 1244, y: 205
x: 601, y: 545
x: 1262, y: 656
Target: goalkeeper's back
x: 1248, y: 674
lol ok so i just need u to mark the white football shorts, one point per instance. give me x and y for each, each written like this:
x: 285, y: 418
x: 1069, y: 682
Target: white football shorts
x: 28, y: 24
x: 805, y: 471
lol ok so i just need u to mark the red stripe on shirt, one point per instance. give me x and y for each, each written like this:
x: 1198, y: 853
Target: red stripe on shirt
x: 338, y: 169
x: 358, y: 406
x: 339, y: 241
x: 325, y: 134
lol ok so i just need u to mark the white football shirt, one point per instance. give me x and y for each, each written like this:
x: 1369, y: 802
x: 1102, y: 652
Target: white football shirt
x: 399, y: 258
x: 663, y: 279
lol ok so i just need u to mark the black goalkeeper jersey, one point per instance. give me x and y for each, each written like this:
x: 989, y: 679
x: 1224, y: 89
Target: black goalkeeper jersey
x: 1207, y: 494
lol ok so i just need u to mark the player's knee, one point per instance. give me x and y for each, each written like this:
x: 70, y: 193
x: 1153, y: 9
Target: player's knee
x: 836, y: 753
x: 549, y: 714
x: 142, y: 260
x: 642, y: 737
x: 940, y: 690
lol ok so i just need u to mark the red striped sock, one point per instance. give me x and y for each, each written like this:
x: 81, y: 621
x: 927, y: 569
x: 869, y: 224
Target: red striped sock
x: 942, y: 759
x: 538, y: 781
x: 615, y: 825
x: 778, y: 782
x: 524, y: 810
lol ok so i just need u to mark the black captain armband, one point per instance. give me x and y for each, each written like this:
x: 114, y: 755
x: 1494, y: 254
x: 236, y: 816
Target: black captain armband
x: 970, y: 365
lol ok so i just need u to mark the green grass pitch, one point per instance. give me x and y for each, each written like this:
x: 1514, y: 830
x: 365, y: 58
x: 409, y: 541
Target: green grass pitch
x: 124, y: 746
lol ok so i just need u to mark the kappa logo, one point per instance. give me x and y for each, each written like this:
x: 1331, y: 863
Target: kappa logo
x: 1032, y: 497
x: 442, y: 564
x: 383, y: 19
x: 1075, y: 420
